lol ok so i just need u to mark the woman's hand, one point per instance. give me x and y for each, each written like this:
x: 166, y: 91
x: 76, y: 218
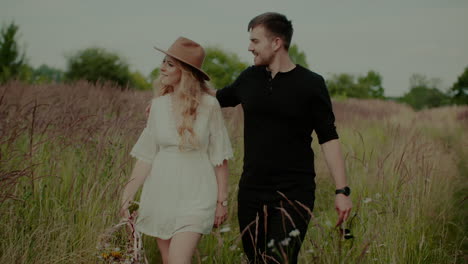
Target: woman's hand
x: 220, y: 214
x: 221, y: 173
x: 147, y: 110
x: 124, y: 213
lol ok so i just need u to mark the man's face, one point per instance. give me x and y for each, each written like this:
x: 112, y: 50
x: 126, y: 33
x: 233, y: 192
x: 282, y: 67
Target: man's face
x: 261, y: 46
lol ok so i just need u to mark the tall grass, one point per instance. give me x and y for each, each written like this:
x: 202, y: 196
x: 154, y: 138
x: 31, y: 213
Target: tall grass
x: 64, y: 161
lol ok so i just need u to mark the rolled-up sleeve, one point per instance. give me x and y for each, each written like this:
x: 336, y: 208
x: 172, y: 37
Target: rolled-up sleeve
x: 322, y: 112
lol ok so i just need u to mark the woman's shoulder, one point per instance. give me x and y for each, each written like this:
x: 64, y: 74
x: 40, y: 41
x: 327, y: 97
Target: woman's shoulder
x: 159, y: 99
x: 158, y: 104
x: 209, y: 100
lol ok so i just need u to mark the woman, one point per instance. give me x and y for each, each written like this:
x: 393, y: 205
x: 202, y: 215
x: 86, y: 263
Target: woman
x: 181, y: 158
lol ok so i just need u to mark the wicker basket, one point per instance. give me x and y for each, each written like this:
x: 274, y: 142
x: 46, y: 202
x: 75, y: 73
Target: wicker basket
x: 122, y: 243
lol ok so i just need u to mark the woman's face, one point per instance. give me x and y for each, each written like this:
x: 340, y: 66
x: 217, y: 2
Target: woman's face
x: 170, y: 72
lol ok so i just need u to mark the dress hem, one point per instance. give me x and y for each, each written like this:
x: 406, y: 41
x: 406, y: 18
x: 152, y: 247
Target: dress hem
x: 165, y: 237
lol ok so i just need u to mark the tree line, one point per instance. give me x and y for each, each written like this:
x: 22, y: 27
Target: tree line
x: 97, y: 65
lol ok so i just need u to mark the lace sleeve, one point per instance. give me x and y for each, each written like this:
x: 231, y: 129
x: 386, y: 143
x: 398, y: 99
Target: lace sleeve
x: 146, y: 148
x: 219, y: 148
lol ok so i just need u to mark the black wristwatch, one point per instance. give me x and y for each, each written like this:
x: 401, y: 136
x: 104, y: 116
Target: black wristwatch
x: 346, y: 191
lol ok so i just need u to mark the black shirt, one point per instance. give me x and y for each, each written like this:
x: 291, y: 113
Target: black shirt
x: 279, y: 117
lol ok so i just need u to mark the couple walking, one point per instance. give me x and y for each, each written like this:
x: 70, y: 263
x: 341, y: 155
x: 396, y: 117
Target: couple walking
x: 182, y: 154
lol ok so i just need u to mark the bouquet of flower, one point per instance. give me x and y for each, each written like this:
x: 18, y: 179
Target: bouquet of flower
x: 122, y: 243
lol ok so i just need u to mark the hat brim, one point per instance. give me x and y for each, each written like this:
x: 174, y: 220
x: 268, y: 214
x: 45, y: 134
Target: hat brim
x: 205, y: 76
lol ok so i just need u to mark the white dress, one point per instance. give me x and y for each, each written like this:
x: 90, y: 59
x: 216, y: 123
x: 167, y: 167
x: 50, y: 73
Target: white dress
x: 180, y: 192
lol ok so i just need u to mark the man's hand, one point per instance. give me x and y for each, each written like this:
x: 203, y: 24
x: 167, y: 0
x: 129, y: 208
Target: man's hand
x: 343, y: 207
x: 212, y: 92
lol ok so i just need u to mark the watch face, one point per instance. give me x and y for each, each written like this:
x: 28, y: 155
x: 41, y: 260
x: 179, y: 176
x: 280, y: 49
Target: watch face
x: 224, y: 203
x: 347, y: 191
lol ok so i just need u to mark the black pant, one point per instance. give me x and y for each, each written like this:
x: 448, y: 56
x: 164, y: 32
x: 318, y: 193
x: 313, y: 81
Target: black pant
x: 272, y: 226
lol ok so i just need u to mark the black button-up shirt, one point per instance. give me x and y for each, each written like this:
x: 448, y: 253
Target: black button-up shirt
x: 280, y: 114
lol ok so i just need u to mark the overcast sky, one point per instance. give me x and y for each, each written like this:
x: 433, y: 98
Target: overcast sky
x: 393, y: 37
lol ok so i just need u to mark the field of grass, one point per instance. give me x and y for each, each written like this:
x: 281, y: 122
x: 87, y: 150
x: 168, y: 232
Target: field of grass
x: 64, y: 161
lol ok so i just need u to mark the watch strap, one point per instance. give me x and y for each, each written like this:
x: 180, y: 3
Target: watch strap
x: 346, y: 191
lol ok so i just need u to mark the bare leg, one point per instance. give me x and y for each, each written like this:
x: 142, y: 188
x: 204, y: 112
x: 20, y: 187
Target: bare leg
x: 182, y: 247
x: 163, y: 246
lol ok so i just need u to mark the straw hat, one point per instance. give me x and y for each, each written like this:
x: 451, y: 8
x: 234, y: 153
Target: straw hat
x: 189, y: 52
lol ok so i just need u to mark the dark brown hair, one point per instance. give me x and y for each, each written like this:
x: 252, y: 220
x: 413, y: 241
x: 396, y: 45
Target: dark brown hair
x: 276, y: 24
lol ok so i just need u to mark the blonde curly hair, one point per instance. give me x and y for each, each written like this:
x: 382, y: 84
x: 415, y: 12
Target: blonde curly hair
x: 191, y: 88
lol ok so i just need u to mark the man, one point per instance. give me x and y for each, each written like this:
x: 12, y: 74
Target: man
x: 283, y: 103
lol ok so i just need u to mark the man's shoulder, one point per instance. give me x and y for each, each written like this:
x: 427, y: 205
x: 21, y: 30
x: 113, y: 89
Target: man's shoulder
x: 311, y: 80
x: 252, y: 70
x: 309, y: 74
x: 250, y: 73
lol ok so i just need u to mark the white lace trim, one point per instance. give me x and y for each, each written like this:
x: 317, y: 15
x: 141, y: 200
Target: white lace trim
x: 219, y: 162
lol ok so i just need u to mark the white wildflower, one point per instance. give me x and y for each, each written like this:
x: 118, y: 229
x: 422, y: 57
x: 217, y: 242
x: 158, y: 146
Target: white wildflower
x: 328, y: 223
x: 271, y: 243
x: 294, y: 233
x: 233, y: 247
x: 285, y: 242
x: 225, y: 229
x: 367, y: 200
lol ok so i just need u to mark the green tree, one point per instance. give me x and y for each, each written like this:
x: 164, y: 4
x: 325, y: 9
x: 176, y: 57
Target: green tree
x: 154, y: 74
x: 363, y: 86
x: 222, y: 66
x: 339, y: 85
x: 459, y: 90
x: 12, y: 61
x: 98, y: 65
x: 46, y: 74
x: 139, y: 81
x: 298, y: 56
x: 424, y: 93
x: 372, y: 84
